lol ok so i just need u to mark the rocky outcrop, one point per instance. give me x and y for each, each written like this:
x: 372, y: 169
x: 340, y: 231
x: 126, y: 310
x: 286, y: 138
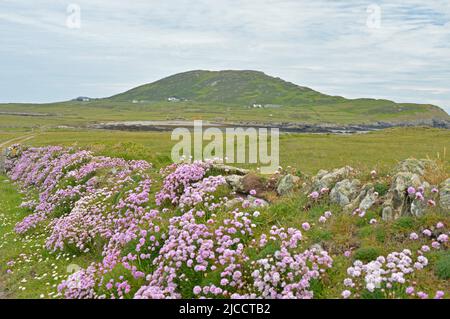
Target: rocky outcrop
x: 400, y: 202
x: 287, y: 184
x: 344, y: 192
x: 444, y: 197
x: 325, y: 179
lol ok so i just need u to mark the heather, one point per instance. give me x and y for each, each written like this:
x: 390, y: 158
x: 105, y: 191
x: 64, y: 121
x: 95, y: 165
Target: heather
x: 182, y: 231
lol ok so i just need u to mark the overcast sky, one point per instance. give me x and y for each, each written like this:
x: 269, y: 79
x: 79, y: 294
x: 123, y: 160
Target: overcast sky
x: 393, y: 49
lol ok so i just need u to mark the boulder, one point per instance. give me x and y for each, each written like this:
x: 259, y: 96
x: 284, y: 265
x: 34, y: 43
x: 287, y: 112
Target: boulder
x: 236, y: 182
x: 287, y: 184
x: 444, y: 196
x: 233, y: 202
x: 257, y: 202
x: 398, y: 203
x: 344, y: 192
x: 325, y: 179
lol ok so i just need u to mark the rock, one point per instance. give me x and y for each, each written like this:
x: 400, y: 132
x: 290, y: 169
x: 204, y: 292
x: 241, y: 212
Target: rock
x: 233, y: 202
x: 236, y: 182
x: 316, y: 247
x: 325, y: 179
x: 229, y: 170
x: 287, y: 184
x: 414, y: 166
x: 418, y: 207
x: 444, y: 195
x: 257, y: 202
x: 369, y: 200
x: 365, y: 200
x: 344, y: 192
x: 398, y: 202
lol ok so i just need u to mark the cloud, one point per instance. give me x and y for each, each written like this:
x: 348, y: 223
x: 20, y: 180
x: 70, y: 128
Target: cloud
x: 328, y: 45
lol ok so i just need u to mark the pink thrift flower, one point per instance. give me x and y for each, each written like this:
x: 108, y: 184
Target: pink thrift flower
x: 439, y: 225
x: 411, y: 190
x: 252, y: 192
x: 413, y: 236
x: 425, y: 248
x: 439, y: 294
x: 322, y: 219
x: 197, y: 290
x: 409, y: 290
x: 306, y: 226
x: 314, y: 195
x: 427, y: 232
x: 346, y: 294
x: 443, y: 238
x: 327, y: 214
x: 422, y: 295
x: 435, y: 245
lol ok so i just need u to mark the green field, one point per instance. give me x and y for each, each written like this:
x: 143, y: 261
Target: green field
x: 306, y: 152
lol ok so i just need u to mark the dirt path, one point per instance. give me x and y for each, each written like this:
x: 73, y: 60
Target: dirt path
x: 17, y: 140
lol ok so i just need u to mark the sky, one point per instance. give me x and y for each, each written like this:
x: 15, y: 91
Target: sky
x: 57, y: 50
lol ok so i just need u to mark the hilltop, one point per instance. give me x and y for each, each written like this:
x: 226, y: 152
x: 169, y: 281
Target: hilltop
x: 230, y: 87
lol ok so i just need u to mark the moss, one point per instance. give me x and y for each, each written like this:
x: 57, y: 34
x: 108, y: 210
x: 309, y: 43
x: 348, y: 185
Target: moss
x: 381, y: 188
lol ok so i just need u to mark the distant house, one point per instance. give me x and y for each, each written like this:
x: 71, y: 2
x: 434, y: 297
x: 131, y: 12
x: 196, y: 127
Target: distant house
x: 257, y: 106
x: 173, y: 99
x: 82, y: 99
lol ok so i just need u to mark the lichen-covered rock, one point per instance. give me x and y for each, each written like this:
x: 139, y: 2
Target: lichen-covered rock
x: 233, y: 202
x: 415, y: 166
x: 287, y: 184
x: 408, y: 173
x: 236, y: 182
x: 325, y: 179
x: 344, y: 192
x: 444, y: 197
x: 365, y: 200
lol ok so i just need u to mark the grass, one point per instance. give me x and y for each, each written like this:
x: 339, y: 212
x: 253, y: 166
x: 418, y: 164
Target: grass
x: 308, y: 153
x: 36, y: 271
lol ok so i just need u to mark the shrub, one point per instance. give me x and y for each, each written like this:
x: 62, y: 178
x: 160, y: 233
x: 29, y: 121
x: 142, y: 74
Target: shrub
x: 381, y: 188
x: 405, y: 223
x: 366, y: 254
x: 443, y: 266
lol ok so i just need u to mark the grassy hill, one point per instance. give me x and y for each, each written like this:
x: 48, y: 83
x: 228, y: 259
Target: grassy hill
x: 230, y: 87
x: 246, y: 88
x: 221, y: 96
